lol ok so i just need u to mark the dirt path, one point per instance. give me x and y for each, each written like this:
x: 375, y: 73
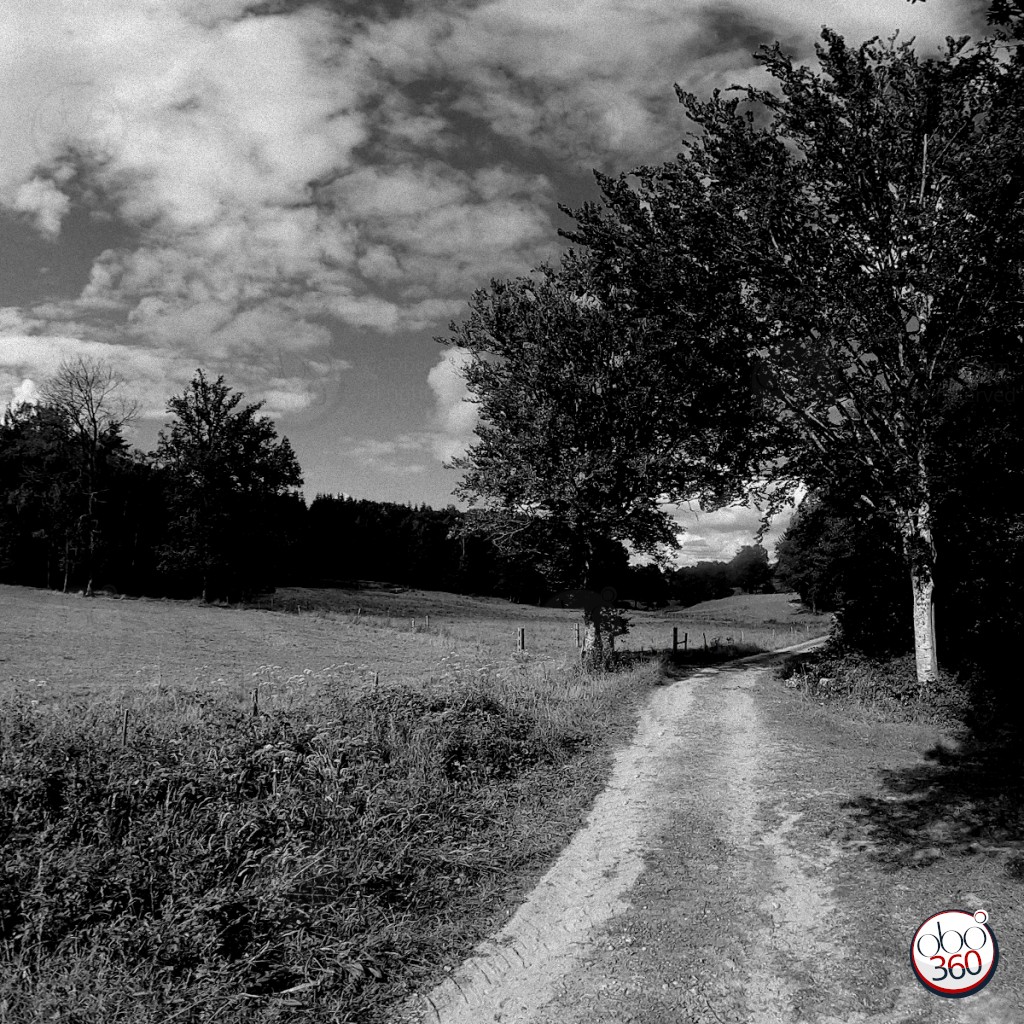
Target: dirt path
x: 710, y: 884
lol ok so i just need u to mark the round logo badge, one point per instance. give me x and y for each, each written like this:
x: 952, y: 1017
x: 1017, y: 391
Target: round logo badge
x: 954, y: 953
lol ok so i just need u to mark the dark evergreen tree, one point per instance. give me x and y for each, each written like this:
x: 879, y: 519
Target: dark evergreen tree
x: 225, y: 468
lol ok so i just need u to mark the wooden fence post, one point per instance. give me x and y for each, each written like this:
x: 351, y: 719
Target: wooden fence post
x: 521, y: 639
x: 675, y: 638
x: 579, y: 641
x: 255, y: 694
x: 124, y: 728
x: 705, y: 640
x: 686, y: 642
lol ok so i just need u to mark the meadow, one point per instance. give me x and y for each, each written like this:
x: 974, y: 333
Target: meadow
x: 266, y: 815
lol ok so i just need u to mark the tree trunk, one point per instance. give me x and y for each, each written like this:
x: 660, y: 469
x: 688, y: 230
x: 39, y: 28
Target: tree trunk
x: 923, y: 587
x: 594, y: 650
x: 919, y: 548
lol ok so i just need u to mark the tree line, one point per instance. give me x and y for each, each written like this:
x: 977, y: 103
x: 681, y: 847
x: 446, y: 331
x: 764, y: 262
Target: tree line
x: 214, y: 511
x: 204, y: 514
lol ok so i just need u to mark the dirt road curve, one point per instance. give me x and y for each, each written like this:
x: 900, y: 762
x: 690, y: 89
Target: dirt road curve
x: 707, y: 886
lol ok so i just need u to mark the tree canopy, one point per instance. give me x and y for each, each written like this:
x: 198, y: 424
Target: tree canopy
x: 868, y: 218
x: 592, y: 419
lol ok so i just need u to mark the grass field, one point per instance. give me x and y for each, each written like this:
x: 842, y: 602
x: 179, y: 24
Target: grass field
x: 397, y: 787
x: 63, y: 644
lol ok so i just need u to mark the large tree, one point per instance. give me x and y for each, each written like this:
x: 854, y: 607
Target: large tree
x: 591, y: 420
x: 225, y: 469
x: 870, y: 214
x: 749, y: 569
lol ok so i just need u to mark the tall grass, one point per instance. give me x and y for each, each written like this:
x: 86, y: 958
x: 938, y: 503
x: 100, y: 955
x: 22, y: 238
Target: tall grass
x: 311, y: 860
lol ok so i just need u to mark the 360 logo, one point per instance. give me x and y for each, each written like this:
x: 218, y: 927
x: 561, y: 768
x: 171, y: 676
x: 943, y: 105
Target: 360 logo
x: 954, y: 953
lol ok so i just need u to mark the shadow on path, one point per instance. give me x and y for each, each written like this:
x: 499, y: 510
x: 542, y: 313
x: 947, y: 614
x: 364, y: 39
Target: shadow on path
x: 966, y: 798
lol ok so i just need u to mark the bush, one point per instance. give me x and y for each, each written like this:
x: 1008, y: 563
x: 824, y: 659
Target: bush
x: 888, y: 684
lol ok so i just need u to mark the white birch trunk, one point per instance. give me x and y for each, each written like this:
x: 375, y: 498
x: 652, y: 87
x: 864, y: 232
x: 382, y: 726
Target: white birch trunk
x: 919, y: 547
x: 924, y: 627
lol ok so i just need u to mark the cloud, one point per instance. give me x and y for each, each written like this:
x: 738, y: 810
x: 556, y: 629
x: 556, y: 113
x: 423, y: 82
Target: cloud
x: 395, y: 457
x: 717, y: 536
x: 155, y: 373
x: 44, y: 202
x: 593, y: 80
x: 25, y: 393
x: 279, y: 174
x: 230, y: 145
x: 449, y: 425
x: 454, y: 415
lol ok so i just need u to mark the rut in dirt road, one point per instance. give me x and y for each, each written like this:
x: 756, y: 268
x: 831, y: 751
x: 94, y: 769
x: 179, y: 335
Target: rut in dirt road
x: 686, y: 896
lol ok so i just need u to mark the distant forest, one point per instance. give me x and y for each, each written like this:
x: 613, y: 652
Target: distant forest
x: 215, y: 512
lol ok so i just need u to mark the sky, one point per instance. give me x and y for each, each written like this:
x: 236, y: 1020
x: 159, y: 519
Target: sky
x: 302, y: 196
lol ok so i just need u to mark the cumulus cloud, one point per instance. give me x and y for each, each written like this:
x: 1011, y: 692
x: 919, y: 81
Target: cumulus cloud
x: 455, y: 415
x: 26, y: 393
x: 593, y: 80
x: 717, y: 536
x: 230, y: 145
x: 44, y: 202
x: 154, y: 373
x: 283, y: 174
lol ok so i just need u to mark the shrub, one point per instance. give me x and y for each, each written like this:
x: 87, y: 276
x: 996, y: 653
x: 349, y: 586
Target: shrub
x: 888, y: 684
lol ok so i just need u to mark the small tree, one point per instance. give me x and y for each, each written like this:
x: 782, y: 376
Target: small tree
x: 591, y: 420
x: 224, y: 464
x: 89, y: 397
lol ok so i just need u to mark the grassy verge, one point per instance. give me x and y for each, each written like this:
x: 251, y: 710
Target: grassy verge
x: 312, y: 859
x: 888, y: 688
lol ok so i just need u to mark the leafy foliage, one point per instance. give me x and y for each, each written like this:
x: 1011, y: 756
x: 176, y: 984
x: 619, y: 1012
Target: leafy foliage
x: 224, y: 466
x: 591, y: 419
x: 62, y: 494
x: 860, y: 246
x: 839, y: 557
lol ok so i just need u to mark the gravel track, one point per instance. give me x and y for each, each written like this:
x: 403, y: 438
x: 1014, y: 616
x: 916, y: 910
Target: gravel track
x: 705, y: 888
